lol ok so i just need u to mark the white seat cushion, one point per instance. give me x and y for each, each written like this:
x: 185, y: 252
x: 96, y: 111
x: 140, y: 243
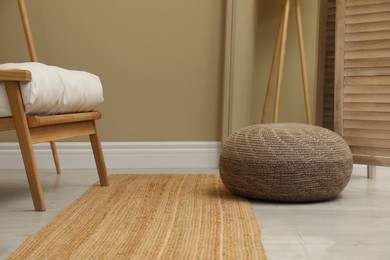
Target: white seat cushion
x: 54, y: 90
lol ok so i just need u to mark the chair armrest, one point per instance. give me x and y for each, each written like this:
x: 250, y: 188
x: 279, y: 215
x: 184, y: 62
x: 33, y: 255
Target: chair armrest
x: 15, y: 75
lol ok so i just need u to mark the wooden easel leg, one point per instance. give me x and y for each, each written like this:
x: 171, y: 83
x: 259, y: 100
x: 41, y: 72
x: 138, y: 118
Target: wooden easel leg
x: 55, y: 156
x: 273, y: 66
x: 25, y: 143
x: 303, y: 61
x: 99, y: 158
x: 281, y: 60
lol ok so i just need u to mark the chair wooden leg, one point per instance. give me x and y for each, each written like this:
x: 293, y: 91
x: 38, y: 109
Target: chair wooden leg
x: 55, y: 156
x: 32, y: 174
x: 281, y: 61
x: 99, y: 158
x: 25, y: 143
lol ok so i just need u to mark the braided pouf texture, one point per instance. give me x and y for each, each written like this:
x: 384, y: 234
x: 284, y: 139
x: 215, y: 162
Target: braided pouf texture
x: 286, y: 162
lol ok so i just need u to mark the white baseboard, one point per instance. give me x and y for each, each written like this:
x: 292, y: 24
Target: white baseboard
x: 118, y: 155
x: 121, y: 155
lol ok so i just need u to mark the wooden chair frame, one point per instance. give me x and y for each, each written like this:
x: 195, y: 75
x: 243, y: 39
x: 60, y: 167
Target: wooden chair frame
x: 33, y: 57
x: 36, y: 129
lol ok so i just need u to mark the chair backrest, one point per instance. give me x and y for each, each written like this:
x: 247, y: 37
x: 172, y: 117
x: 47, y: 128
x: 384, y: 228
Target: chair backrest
x: 27, y: 30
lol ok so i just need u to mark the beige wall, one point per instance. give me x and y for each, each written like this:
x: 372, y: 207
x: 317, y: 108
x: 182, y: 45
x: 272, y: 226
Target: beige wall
x: 160, y: 61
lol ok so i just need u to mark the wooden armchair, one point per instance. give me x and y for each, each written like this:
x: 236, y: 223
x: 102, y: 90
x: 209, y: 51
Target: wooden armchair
x: 35, y: 129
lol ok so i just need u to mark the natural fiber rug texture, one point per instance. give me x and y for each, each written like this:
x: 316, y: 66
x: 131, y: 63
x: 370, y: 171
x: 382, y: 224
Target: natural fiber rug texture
x: 151, y: 217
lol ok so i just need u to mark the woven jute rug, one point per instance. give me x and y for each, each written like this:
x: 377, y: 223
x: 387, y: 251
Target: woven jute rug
x: 151, y: 217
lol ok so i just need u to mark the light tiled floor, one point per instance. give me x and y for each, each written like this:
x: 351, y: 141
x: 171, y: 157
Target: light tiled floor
x: 354, y: 226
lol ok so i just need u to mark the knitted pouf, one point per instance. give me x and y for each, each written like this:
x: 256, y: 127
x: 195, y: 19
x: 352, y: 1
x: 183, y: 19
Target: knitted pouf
x: 286, y: 162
